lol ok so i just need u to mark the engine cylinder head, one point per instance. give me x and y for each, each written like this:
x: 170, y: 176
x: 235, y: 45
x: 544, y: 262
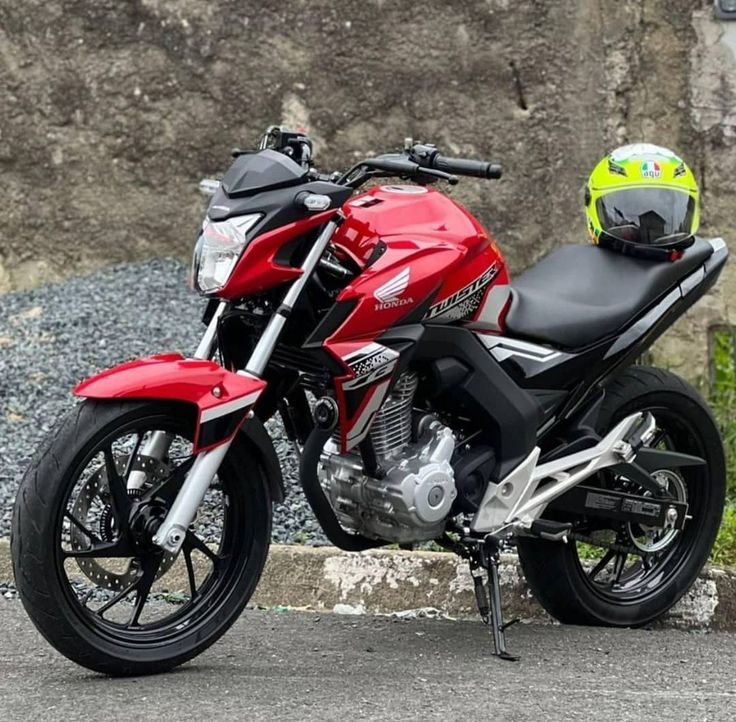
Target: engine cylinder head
x: 391, y: 428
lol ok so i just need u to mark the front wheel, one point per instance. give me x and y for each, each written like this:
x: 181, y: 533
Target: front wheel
x: 626, y: 575
x: 86, y: 570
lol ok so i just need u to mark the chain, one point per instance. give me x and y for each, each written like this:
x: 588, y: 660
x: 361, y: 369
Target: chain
x: 613, y: 546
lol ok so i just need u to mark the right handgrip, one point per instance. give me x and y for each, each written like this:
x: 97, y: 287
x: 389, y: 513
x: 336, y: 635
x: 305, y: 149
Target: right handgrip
x: 463, y: 166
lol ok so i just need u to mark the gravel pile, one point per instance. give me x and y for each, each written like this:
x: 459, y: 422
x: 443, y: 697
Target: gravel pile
x: 55, y: 336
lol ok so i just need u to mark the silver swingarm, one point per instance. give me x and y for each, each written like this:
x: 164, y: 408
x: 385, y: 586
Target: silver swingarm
x: 516, y: 501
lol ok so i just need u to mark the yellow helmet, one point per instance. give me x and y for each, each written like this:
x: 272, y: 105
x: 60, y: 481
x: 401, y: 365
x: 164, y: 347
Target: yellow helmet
x: 643, y: 200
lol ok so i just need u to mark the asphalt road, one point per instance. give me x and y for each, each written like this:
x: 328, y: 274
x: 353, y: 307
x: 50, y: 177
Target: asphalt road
x: 302, y: 666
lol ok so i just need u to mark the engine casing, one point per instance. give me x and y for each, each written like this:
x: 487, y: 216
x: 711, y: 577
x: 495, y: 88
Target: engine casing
x: 410, y: 503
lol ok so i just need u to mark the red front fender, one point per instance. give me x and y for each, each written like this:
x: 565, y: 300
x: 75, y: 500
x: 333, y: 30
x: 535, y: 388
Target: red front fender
x: 223, y: 398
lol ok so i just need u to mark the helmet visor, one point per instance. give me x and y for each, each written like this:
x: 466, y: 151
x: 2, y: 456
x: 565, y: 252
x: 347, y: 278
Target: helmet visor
x: 651, y: 216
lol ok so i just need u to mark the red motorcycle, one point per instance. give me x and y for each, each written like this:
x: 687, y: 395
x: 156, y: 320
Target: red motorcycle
x: 427, y: 396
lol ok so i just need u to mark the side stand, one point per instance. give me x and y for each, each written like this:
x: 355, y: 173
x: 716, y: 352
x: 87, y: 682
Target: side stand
x: 485, y: 559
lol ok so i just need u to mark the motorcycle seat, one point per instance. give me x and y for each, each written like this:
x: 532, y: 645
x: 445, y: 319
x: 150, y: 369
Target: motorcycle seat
x: 580, y: 294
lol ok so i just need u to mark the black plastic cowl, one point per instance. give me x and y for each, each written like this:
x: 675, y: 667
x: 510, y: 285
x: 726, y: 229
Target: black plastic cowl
x: 265, y: 169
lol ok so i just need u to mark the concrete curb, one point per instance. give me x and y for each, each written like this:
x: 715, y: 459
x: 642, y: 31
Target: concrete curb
x: 383, y: 582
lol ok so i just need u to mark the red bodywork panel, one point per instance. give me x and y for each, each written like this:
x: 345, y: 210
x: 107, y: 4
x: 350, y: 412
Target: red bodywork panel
x: 171, y: 376
x: 438, y: 265
x: 258, y: 270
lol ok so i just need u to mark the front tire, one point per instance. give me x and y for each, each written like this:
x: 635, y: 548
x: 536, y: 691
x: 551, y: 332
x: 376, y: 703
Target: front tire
x: 580, y: 592
x: 74, y: 558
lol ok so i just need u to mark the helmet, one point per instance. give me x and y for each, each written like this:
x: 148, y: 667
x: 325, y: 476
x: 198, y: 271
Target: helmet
x: 643, y: 200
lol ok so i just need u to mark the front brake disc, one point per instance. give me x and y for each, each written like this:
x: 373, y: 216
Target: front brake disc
x: 94, y: 510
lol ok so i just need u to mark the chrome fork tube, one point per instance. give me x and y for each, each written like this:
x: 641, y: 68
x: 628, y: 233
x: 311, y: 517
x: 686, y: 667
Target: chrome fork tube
x: 157, y: 446
x: 264, y: 348
x: 172, y: 531
x: 204, y: 350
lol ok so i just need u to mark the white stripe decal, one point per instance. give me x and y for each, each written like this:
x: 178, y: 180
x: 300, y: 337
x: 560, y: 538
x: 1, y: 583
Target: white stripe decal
x: 502, y: 348
x: 493, y: 341
x: 369, y: 350
x: 501, y: 354
x: 228, y: 407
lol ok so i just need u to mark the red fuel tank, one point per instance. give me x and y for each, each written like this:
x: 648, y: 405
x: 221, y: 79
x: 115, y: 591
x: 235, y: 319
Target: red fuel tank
x: 424, y: 258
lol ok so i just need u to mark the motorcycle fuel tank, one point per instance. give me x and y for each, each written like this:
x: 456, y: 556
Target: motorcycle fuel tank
x: 424, y: 258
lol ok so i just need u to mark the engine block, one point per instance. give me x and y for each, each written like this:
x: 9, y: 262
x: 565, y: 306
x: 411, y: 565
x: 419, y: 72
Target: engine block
x: 410, y: 503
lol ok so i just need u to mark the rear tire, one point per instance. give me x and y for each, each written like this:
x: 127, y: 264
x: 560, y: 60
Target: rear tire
x: 42, y: 552
x: 562, y: 584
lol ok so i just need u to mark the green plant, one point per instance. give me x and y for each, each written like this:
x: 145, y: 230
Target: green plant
x: 723, y: 397
x: 724, y: 550
x: 723, y: 401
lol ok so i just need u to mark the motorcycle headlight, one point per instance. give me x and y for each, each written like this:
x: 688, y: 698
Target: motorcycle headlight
x: 218, y: 249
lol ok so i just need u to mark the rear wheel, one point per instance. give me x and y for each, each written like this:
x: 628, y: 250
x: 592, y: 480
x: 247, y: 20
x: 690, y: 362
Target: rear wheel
x: 86, y: 569
x: 627, y: 575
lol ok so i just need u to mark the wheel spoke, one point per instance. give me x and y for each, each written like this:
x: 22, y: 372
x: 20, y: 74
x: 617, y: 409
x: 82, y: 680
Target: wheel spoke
x: 118, y: 548
x: 192, y: 542
x: 117, y: 598
x: 602, y: 564
x: 187, y: 551
x: 132, y: 458
x: 73, y: 519
x: 118, y: 489
x: 169, y: 487
x: 618, y: 567
x: 143, y: 587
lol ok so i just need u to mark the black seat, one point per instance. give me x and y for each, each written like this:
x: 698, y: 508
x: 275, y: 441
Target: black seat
x: 579, y: 294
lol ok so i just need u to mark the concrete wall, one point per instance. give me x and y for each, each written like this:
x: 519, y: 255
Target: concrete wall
x: 111, y: 111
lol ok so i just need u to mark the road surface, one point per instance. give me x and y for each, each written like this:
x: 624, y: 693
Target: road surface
x: 304, y: 666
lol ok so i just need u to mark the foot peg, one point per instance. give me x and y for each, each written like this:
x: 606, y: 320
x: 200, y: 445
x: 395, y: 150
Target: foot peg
x: 550, y: 530
x: 489, y: 605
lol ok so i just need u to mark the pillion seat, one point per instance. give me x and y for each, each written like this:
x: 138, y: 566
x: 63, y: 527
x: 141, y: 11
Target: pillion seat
x: 582, y: 293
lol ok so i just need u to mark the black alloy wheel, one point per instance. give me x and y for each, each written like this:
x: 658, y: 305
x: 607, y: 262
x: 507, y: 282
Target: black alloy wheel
x: 618, y: 574
x: 88, y: 572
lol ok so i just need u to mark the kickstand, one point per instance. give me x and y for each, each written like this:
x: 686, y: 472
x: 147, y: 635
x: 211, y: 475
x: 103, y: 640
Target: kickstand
x: 489, y: 606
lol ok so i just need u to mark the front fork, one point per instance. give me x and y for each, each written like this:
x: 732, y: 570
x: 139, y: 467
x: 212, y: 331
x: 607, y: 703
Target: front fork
x: 170, y: 535
x: 157, y: 446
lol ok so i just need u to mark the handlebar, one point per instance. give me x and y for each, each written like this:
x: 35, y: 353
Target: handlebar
x: 427, y: 156
x: 464, y: 166
x: 421, y: 162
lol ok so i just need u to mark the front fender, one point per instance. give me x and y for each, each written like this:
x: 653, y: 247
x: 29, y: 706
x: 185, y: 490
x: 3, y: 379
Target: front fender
x: 222, y: 398
x: 261, y: 445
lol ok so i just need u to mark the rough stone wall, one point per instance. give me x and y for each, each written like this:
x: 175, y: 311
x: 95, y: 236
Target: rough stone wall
x: 111, y: 111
